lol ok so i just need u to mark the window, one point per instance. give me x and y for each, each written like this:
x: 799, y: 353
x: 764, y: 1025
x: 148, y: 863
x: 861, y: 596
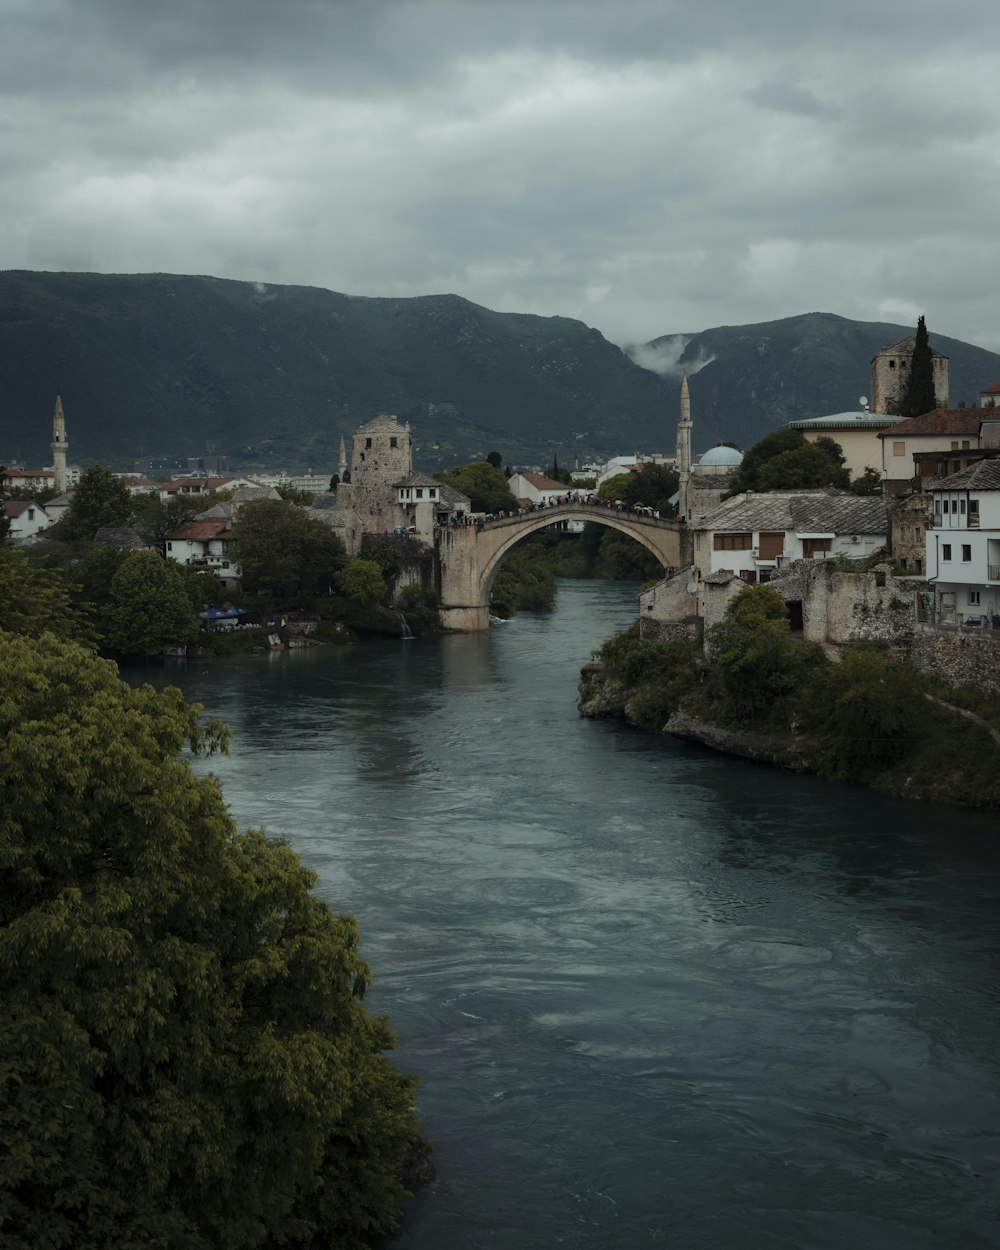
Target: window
x: 732, y: 542
x: 892, y: 364
x: 393, y: 442
x: 899, y: 449
x: 954, y: 445
x: 973, y: 513
x: 812, y: 547
x: 368, y: 442
x: 937, y: 503
x: 31, y: 514
x: 974, y: 598
x: 946, y: 551
x: 961, y: 506
x: 966, y: 553
x: 420, y: 492
x: 965, y: 444
x: 771, y: 545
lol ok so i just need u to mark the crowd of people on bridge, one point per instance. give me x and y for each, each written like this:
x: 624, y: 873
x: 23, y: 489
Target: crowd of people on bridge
x: 572, y: 499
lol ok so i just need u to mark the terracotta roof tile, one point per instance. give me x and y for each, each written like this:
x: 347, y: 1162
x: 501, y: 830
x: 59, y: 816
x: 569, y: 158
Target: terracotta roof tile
x: 940, y: 421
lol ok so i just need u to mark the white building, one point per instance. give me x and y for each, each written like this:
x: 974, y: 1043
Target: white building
x: 963, y: 545
x: 752, y: 535
x: 27, y: 519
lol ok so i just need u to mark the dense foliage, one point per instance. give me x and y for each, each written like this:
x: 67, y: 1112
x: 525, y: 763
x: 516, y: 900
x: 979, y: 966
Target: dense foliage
x: 485, y: 485
x: 652, y: 485
x: 864, y: 718
x: 185, y: 1059
x: 100, y: 500
x: 918, y: 396
x: 285, y: 554
x: 787, y: 460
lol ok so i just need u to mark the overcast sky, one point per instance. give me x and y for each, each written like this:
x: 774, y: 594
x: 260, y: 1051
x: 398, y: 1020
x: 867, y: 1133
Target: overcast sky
x: 649, y: 166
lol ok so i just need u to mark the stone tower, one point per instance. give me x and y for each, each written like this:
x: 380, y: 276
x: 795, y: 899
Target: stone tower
x: 890, y: 372
x: 59, y: 446
x: 382, y: 456
x: 684, y: 454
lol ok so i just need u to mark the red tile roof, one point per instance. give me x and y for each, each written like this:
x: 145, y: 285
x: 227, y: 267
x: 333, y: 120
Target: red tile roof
x: 991, y: 390
x: 200, y: 531
x: 940, y: 421
x: 541, y: 482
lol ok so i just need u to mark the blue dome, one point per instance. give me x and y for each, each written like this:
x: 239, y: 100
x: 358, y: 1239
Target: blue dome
x: 719, y: 457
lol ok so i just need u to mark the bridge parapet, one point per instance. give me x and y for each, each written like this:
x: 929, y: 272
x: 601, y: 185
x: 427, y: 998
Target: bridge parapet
x: 469, y: 556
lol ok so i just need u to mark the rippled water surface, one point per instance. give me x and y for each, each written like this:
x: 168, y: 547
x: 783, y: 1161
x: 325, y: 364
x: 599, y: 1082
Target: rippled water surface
x: 655, y: 996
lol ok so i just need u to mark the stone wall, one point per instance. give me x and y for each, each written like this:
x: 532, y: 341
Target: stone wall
x: 838, y: 607
x: 958, y: 659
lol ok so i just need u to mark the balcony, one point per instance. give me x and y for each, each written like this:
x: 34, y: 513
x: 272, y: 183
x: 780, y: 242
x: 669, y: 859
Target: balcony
x: 994, y: 572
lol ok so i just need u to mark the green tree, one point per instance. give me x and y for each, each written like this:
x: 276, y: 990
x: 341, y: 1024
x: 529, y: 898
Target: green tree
x: 154, y: 517
x: 185, y: 1059
x: 919, y: 396
x: 35, y: 599
x: 294, y: 494
x: 869, y: 483
x: 756, y: 664
x: 285, y: 553
x: 100, y: 500
x: 149, y: 608
x: 558, y: 474
x: 653, y: 485
x: 786, y: 460
x: 495, y: 459
x: 362, y: 579
x: 485, y: 486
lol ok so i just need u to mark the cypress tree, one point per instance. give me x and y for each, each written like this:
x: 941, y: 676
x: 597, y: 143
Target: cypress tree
x: 919, y: 396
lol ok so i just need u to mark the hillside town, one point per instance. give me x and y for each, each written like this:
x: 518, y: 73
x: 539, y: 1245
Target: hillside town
x: 913, y: 561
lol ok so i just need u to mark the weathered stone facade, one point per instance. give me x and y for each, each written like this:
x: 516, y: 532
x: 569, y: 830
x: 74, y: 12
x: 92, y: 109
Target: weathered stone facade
x: 382, y: 456
x: 960, y: 659
x: 838, y: 608
x: 909, y: 520
x: 890, y: 372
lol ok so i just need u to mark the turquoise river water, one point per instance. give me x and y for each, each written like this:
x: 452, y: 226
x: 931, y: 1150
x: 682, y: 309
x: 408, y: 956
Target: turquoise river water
x: 655, y: 996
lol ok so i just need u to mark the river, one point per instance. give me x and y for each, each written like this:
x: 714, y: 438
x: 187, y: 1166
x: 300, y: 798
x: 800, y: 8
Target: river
x: 654, y: 995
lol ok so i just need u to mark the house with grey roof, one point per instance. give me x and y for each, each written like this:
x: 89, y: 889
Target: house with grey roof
x: 963, y: 546
x: 752, y: 535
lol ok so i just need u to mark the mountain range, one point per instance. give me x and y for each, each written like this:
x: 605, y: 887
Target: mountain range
x: 161, y: 367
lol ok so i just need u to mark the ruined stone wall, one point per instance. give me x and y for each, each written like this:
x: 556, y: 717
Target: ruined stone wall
x: 651, y: 630
x: 839, y: 608
x: 958, y: 659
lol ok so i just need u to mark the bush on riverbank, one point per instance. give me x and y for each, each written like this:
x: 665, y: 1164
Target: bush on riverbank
x: 867, y: 718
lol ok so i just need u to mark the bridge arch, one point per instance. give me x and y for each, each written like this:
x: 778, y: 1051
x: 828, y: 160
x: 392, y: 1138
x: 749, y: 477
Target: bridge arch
x: 471, y: 557
x: 535, y: 522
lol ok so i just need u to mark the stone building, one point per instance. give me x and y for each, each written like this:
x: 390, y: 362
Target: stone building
x: 890, y: 372
x: 381, y: 493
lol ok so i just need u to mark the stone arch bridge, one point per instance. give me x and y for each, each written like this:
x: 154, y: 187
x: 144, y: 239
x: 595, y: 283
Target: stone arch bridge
x: 469, y: 556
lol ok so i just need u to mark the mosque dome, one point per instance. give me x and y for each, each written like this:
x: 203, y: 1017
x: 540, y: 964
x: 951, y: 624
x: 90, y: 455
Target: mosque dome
x: 719, y: 460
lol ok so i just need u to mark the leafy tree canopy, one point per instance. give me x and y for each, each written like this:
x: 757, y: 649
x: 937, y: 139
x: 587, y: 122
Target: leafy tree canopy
x: 869, y: 483
x: 495, y: 459
x: 786, y: 460
x: 362, y: 579
x: 285, y: 553
x: 185, y: 1059
x: 150, y: 608
x: 35, y: 598
x: 484, y: 484
x: 295, y: 494
x: 100, y: 500
x: 652, y: 485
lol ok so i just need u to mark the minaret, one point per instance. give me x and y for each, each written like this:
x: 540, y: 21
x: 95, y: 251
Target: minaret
x: 59, y: 446
x: 342, y: 462
x: 684, y: 454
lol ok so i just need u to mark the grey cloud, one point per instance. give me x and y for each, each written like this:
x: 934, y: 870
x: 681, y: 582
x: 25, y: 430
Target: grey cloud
x: 646, y: 166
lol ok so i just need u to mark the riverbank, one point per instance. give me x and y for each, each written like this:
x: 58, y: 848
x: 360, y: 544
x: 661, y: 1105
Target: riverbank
x: 766, y: 697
